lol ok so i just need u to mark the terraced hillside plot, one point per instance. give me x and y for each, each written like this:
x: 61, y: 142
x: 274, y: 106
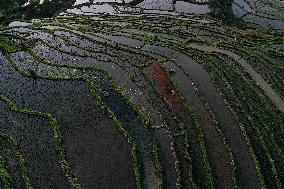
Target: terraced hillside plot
x: 144, y: 94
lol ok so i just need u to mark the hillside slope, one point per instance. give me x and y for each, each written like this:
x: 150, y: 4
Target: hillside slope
x: 112, y: 96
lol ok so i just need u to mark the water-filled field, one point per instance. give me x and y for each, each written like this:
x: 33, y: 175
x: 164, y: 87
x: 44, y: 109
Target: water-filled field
x: 141, y: 94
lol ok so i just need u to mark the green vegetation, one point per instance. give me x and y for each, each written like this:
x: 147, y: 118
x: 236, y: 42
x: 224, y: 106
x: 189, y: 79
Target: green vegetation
x: 195, y: 73
x: 8, y: 46
x: 21, y: 9
x: 5, y: 178
x: 221, y: 9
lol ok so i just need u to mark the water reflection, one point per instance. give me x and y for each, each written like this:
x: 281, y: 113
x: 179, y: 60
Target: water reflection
x: 169, y: 7
x: 250, y: 11
x: 191, y: 8
x: 27, y: 9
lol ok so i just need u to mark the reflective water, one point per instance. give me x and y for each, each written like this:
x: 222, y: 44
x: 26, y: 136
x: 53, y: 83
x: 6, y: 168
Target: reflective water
x: 27, y: 9
x: 267, y: 13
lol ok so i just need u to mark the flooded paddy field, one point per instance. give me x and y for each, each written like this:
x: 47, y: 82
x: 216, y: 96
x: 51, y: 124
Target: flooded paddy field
x: 141, y: 94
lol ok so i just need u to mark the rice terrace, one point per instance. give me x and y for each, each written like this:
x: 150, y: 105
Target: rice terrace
x: 141, y: 94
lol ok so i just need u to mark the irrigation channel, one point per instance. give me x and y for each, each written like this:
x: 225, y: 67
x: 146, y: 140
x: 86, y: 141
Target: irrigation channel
x: 156, y: 94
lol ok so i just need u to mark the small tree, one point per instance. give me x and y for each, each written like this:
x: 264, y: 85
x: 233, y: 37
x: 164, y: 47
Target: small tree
x: 13, y: 9
x: 8, y: 8
x: 221, y: 9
